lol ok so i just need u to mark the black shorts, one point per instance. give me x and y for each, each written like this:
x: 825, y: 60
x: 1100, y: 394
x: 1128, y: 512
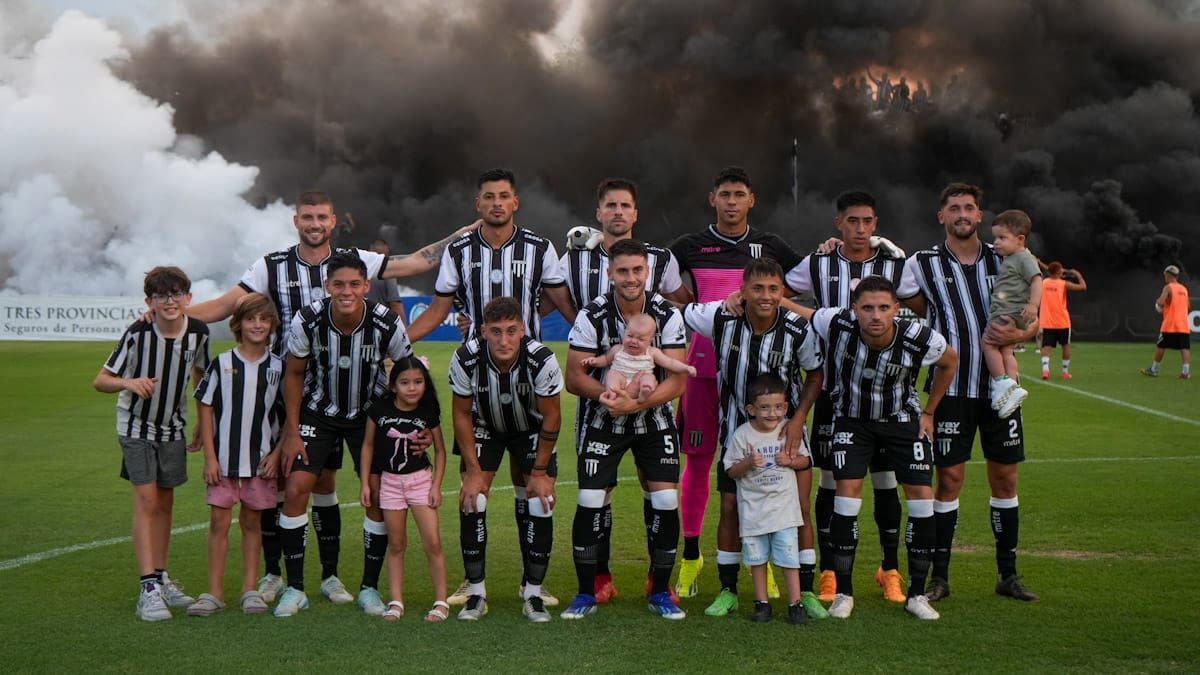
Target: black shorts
x: 521, y: 446
x: 956, y: 421
x: 1053, y: 337
x: 656, y: 453
x: 857, y: 442
x: 822, y: 437
x: 323, y: 438
x: 1174, y: 341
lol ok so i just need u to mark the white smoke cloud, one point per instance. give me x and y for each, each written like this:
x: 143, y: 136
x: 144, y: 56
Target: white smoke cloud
x: 96, y: 187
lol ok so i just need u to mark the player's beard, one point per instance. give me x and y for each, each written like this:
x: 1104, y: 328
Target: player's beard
x: 492, y: 220
x: 316, y: 239
x: 618, y: 229
x: 971, y: 229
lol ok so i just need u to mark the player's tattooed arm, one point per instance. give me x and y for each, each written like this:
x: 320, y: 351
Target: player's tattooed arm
x: 423, y: 259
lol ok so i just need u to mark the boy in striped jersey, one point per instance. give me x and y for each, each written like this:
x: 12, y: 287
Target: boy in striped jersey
x: 873, y: 360
x: 506, y: 398
x: 234, y: 402
x: 151, y: 367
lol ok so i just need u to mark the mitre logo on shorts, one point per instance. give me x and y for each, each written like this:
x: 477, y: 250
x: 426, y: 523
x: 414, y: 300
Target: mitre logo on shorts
x: 839, y: 459
x: 774, y: 359
x: 919, y: 467
x: 597, y: 448
x: 755, y: 250
x: 843, y: 438
x: 591, y: 466
x: 948, y: 428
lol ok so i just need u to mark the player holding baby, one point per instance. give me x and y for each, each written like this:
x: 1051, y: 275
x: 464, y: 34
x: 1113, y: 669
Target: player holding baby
x: 631, y: 363
x: 1016, y: 296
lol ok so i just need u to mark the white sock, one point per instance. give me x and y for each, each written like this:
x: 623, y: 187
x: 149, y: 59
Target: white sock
x: 1066, y: 365
x: 476, y: 589
x: 1045, y: 363
x: 532, y: 590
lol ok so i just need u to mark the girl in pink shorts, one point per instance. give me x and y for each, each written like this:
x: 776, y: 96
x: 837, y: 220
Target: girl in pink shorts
x: 408, y: 480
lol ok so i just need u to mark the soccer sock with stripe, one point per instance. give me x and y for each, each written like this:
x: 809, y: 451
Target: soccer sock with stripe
x: 664, y: 538
x: 272, y: 552
x: 375, y: 545
x: 887, y: 518
x: 919, y: 536
x: 539, y: 540
x: 808, y: 566
x: 1046, y: 364
x: 843, y: 530
x: 945, y: 519
x: 327, y: 523
x: 472, y: 537
x: 148, y: 582
x: 293, y: 537
x: 729, y: 565
x: 604, y: 552
x: 521, y: 515
x: 1005, y: 526
x: 1066, y: 365
x: 822, y: 513
x: 587, y: 531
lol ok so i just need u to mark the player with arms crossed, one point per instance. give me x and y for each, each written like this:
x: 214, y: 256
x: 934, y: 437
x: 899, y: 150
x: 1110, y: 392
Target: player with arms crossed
x: 949, y: 284
x: 873, y: 359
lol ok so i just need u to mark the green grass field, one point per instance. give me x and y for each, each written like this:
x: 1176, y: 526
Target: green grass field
x: 1109, y: 525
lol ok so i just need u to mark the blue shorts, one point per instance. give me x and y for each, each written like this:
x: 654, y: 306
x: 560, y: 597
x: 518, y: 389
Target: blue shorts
x: 783, y: 547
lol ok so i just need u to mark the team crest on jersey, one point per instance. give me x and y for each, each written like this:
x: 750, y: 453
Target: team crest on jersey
x: 368, y: 352
x: 344, y: 362
x: 839, y: 459
x: 506, y: 398
x: 755, y: 250
x: 517, y: 267
x: 273, y: 377
x: 774, y: 359
x: 868, y: 373
x: 188, y: 355
x: 523, y: 388
x: 496, y: 276
x: 695, y: 437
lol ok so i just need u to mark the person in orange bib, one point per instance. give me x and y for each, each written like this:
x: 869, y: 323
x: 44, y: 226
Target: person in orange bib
x: 1054, y: 317
x: 1172, y: 303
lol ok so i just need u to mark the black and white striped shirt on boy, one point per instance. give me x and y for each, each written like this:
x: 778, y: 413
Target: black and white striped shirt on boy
x: 345, y: 372
x: 475, y: 273
x: 872, y: 384
x: 143, y: 352
x: 958, y: 296
x: 506, y: 402
x: 241, y: 394
x: 787, y: 349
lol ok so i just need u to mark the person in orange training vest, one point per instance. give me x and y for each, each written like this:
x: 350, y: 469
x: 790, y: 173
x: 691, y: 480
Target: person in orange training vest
x: 1054, y: 317
x: 1172, y: 303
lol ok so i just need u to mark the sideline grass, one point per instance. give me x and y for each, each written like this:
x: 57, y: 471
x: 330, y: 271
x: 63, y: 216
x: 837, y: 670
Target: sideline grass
x: 1108, y: 540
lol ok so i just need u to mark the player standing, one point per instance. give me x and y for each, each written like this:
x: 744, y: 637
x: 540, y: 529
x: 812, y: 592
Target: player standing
x: 1172, y: 303
x: 950, y: 285
x: 1054, y: 317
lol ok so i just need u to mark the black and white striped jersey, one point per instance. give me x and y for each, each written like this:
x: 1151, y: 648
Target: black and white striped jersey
x: 586, y: 272
x: 875, y: 384
x: 830, y: 277
x: 475, y: 273
x: 506, y: 402
x: 599, y: 326
x: 241, y: 393
x: 345, y: 372
x: 292, y: 283
x: 787, y: 349
x: 958, y: 296
x: 143, y: 352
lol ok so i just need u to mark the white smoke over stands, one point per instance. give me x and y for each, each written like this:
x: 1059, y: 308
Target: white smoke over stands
x: 96, y: 187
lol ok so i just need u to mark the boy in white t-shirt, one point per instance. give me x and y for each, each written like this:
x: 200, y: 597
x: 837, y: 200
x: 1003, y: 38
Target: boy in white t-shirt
x: 767, y: 494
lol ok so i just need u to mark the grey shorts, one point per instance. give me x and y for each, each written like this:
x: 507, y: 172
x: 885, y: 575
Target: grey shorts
x: 162, y: 462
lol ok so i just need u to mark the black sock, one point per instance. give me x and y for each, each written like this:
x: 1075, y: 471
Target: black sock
x: 148, y: 582
x: 327, y: 523
x: 944, y: 525
x: 472, y: 536
x: 587, y: 530
x: 604, y: 551
x: 920, y: 537
x: 1005, y: 526
x: 375, y: 548
x: 843, y: 531
x: 727, y: 574
x: 822, y: 512
x: 293, y: 541
x: 272, y: 551
x: 521, y: 515
x: 664, y: 541
x: 539, y: 540
x: 159, y: 574
x: 807, y: 574
x: 887, y: 519
x: 691, y: 548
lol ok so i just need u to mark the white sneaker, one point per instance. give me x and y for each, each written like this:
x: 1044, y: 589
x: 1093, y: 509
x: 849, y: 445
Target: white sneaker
x: 172, y: 593
x: 460, y: 594
x: 1013, y: 402
x: 547, y: 599
x: 475, y: 608
x: 151, y: 607
x: 291, y: 602
x: 918, y: 606
x: 535, y: 610
x: 335, y: 590
x: 269, y: 587
x: 371, y: 602
x: 1001, y: 390
x: 842, y: 606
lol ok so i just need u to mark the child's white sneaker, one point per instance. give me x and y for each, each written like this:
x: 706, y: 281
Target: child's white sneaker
x: 918, y: 606
x: 291, y: 602
x: 333, y: 588
x: 269, y: 586
x: 151, y: 607
x: 172, y: 593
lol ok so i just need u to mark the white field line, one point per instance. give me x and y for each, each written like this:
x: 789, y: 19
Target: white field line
x: 31, y: 558
x: 1115, y: 401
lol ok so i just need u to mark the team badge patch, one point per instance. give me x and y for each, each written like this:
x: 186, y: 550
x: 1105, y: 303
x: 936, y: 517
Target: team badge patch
x: 344, y: 362
x: 506, y: 399
x: 695, y: 437
x: 496, y: 276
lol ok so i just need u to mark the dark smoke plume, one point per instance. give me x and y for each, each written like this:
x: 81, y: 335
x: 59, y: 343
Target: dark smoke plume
x: 394, y: 110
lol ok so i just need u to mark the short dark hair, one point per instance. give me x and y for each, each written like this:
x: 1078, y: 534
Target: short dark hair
x: 628, y: 247
x: 496, y: 174
x: 874, y: 283
x: 429, y: 400
x: 502, y: 309
x: 764, y: 384
x: 956, y: 189
x: 762, y: 267
x: 1015, y: 221
x: 854, y: 198
x: 314, y: 198
x: 345, y: 259
x: 732, y: 174
x: 252, y: 304
x: 166, y: 279
x: 1054, y: 269
x: 609, y: 184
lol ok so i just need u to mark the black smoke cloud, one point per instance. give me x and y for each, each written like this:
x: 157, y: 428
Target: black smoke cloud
x: 395, y: 110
